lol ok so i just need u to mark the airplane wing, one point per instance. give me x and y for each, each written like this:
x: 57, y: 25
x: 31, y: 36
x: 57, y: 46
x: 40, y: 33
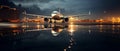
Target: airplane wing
x: 89, y: 13
x: 77, y: 15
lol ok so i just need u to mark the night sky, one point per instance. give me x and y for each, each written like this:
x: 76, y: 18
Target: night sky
x: 97, y: 7
x: 75, y: 6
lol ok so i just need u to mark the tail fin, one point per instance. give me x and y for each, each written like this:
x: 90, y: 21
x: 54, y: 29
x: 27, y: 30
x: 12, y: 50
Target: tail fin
x: 89, y: 13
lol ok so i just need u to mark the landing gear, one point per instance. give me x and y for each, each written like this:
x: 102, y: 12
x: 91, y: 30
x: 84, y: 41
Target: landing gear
x: 63, y: 21
x: 50, y: 20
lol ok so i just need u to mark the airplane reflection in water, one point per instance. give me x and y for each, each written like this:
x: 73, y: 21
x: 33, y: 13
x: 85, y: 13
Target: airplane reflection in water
x: 71, y: 30
x: 56, y: 29
x: 15, y: 28
x: 9, y: 29
x: 33, y: 30
x: 15, y: 32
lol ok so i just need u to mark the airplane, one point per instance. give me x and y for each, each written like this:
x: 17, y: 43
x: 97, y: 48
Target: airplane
x: 56, y: 17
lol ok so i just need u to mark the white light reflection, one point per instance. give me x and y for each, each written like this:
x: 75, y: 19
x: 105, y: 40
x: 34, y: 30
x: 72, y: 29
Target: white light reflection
x: 101, y: 28
x: 54, y: 33
x: 38, y: 27
x: 13, y: 26
x: 71, y: 29
x: 113, y: 28
x: 89, y: 31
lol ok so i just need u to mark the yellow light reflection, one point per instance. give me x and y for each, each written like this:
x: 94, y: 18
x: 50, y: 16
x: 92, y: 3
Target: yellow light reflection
x: 38, y: 26
x: 101, y: 20
x: 118, y: 20
x: 101, y: 28
x: 37, y: 23
x: 15, y: 30
x: 25, y: 26
x: 71, y: 23
x: 71, y: 29
x: 113, y: 20
x: 13, y: 26
x: 71, y: 19
x: 113, y: 28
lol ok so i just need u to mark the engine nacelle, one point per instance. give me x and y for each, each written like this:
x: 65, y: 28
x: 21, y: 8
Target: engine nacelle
x: 66, y: 19
x: 46, y: 19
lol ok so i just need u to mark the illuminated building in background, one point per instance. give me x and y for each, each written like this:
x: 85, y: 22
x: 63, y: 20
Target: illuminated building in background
x: 118, y: 20
x: 113, y: 20
x: 8, y: 14
x: 71, y: 19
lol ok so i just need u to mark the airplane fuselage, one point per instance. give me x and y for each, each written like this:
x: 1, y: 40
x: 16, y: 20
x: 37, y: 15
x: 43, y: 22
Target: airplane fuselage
x: 56, y: 17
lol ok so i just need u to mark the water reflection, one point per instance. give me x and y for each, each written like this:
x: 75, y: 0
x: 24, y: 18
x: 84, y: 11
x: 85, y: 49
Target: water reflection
x: 101, y: 28
x: 66, y: 35
x: 57, y: 29
x: 113, y: 28
x: 71, y: 29
x: 10, y: 30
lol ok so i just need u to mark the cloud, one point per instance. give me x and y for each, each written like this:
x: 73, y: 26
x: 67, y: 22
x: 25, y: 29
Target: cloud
x: 73, y: 6
x: 31, y: 1
x: 68, y: 5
